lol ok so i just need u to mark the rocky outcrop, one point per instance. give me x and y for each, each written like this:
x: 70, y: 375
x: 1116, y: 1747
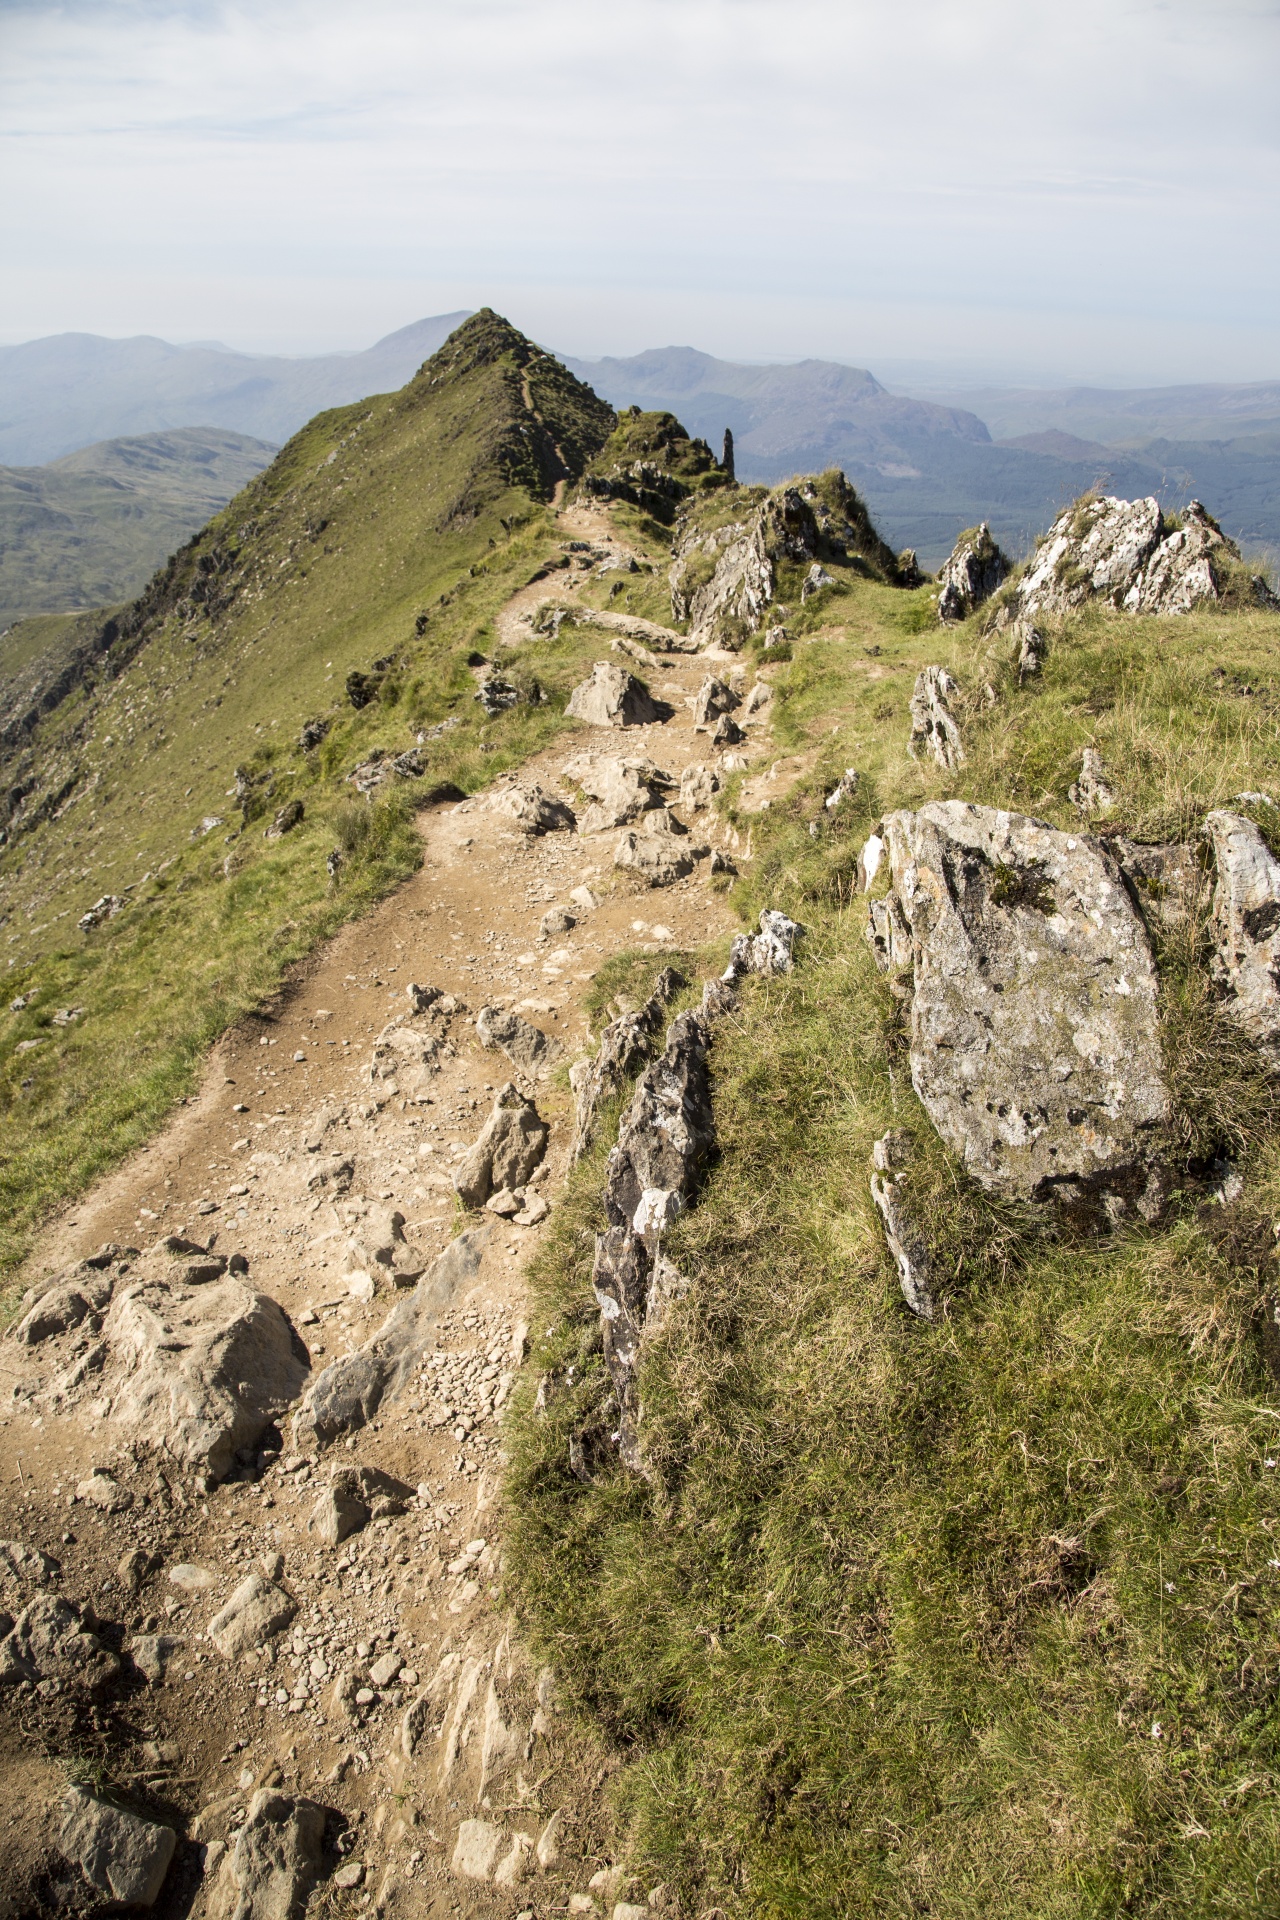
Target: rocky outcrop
x: 714, y: 698
x: 771, y: 951
x: 198, y: 1372
x: 511, y: 1143
x: 526, y: 1046
x: 1246, y: 916
x: 405, y: 1060
x: 123, y: 1857
x: 625, y: 1045
x: 975, y: 569
x: 722, y: 581
x: 612, y: 698
x: 1129, y: 553
x: 1034, y: 1042
x: 349, y: 1392
x: 934, y: 727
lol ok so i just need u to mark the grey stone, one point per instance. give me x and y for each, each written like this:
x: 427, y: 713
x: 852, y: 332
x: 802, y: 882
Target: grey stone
x: 53, y: 1639
x: 698, y: 787
x: 1033, y: 648
x: 531, y: 810
x: 152, y: 1652
x: 200, y: 1372
x: 975, y: 569
x: 621, y: 790
x: 1129, y: 553
x: 378, y: 1246
x: 814, y: 581
x: 556, y: 920
x: 744, y: 558
x: 1168, y: 882
x: 349, y: 1392
x: 104, y: 909
x: 907, y: 1242
x: 771, y: 951
x: 934, y: 728
x: 1090, y: 792
x: 384, y: 1670
x: 101, y: 1491
x: 511, y: 1143
x: 525, y: 1045
x: 23, y: 1568
x: 120, y: 1855
x: 656, y: 859
x: 727, y: 732
x: 255, y: 1613
x: 275, y: 1862
x: 62, y: 1307
x: 1035, y: 1046
x: 714, y: 698
x: 612, y: 697
x: 407, y: 1057
x: 625, y: 1045
x: 844, y: 789
x: 476, y: 1851
x: 336, y: 1515
x: 1246, y: 921
x: 888, y: 934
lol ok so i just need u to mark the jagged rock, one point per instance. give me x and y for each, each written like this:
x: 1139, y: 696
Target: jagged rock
x: 973, y: 572
x: 497, y: 695
x: 622, y: 790
x: 313, y: 732
x: 698, y: 787
x: 934, y: 728
x: 727, y: 732
x: 1127, y: 552
x: 657, y: 859
x: 255, y: 1613
x: 1090, y: 792
x: 1246, y: 916
x: 405, y: 1059
x: 286, y: 819
x: 104, y: 909
x: 888, y: 934
x: 526, y: 1046
x: 531, y: 810
x: 758, y: 698
x: 612, y: 698
x: 1035, y: 1048
x: 814, y: 581
x: 511, y: 1143
x: 200, y: 1372
x: 844, y: 789
x: 625, y: 1045
x: 349, y: 1392
x: 663, y: 1141
x: 120, y: 1855
x: 771, y: 951
x: 52, y: 1639
x: 275, y: 1862
x: 742, y: 559
x: 1032, y: 649
x: 357, y: 1495
x: 907, y: 1242
x: 715, y: 697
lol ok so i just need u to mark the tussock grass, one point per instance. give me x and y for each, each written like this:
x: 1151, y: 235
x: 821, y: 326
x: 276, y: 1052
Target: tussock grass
x: 977, y: 1617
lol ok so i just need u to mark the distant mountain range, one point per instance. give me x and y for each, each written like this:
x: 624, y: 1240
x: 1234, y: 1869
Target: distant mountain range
x: 91, y: 528
x: 928, y: 466
x: 72, y: 389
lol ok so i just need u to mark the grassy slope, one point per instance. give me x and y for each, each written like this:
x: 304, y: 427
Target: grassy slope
x: 973, y: 1618
x: 423, y: 508
x: 90, y: 528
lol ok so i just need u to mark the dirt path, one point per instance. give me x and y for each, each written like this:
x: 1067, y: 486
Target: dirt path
x: 417, y: 1589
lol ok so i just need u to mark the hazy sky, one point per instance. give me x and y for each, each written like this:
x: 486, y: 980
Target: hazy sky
x: 1083, y: 190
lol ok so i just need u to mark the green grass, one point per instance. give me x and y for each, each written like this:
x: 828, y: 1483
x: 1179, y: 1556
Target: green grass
x: 393, y: 530
x: 893, y: 1627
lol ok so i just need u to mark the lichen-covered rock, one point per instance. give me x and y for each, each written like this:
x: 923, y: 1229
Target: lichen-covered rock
x: 625, y: 1045
x: 1035, y: 1047
x: 1129, y: 553
x: 122, y: 1856
x: 1246, y: 914
x: 1168, y: 882
x: 612, y: 697
x: 974, y: 570
x: 934, y: 728
x: 197, y: 1372
x: 349, y: 1392
x: 511, y: 1143
x: 888, y: 934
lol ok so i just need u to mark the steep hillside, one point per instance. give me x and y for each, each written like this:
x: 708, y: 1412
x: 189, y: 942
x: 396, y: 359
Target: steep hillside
x: 72, y: 389
x: 91, y: 528
x: 146, y: 754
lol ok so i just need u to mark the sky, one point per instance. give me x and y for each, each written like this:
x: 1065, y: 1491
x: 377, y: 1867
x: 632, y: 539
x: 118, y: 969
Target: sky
x: 999, y: 190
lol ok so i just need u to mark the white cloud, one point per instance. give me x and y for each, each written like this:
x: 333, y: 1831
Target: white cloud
x: 1087, y: 187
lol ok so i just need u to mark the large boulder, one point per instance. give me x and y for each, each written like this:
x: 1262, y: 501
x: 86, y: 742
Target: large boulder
x: 975, y: 569
x: 122, y: 1856
x: 1129, y: 553
x: 511, y: 1143
x: 349, y: 1391
x: 621, y: 790
x: 1035, y: 1047
x: 198, y: 1372
x: 1246, y: 915
x: 612, y: 697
